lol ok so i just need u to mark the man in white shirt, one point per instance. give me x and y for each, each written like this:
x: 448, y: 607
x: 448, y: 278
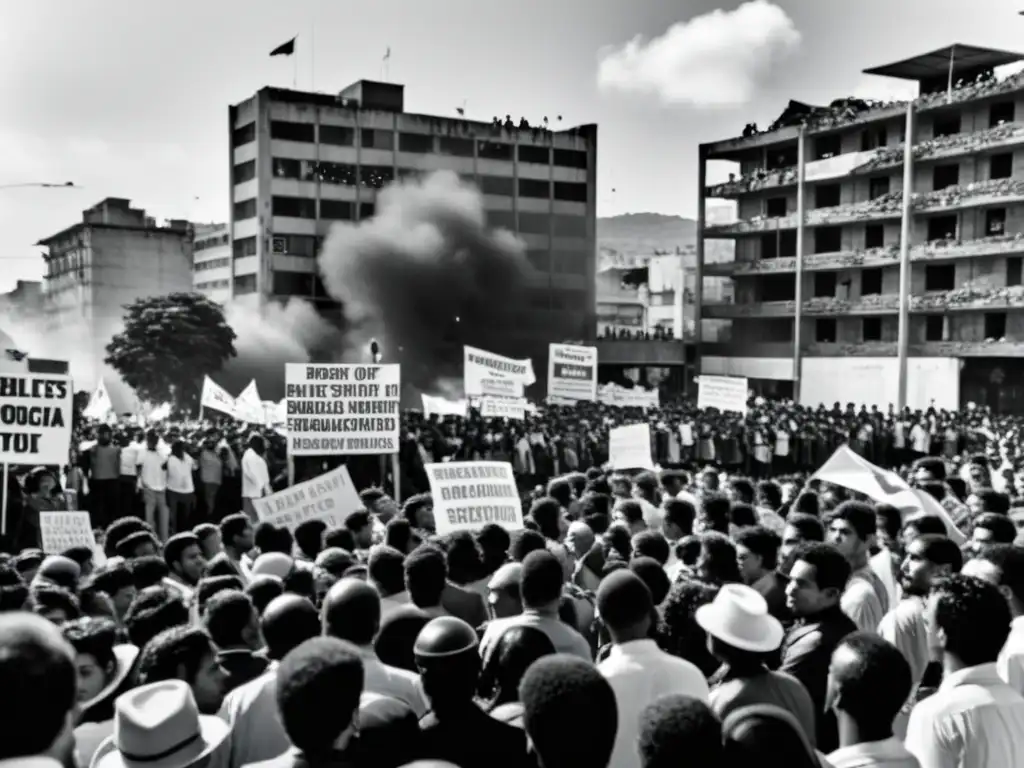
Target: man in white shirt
x: 255, y: 475
x: 152, y: 468
x: 181, y: 489
x: 637, y: 670
x: 974, y: 720
x: 865, y: 599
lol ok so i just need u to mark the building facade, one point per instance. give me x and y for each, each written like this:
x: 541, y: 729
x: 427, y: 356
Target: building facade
x: 114, y: 256
x: 211, y: 254
x: 301, y: 162
x: 821, y: 217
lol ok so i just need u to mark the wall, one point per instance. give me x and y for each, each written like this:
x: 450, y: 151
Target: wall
x: 931, y: 381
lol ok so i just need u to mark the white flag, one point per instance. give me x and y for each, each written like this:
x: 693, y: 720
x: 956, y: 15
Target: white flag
x: 249, y: 406
x: 216, y: 397
x: 100, y: 406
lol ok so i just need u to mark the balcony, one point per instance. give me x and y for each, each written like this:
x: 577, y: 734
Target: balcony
x: 999, y: 137
x: 937, y: 250
x: 869, y: 349
x: 640, y: 352
x: 975, y: 194
x: 959, y: 300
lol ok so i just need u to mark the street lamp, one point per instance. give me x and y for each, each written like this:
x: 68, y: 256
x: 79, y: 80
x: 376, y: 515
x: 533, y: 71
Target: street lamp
x: 41, y: 185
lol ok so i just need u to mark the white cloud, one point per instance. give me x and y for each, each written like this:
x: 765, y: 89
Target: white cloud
x: 713, y: 60
x: 876, y: 88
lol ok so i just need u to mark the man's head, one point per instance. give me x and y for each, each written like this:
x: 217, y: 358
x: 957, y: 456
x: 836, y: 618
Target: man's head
x: 185, y: 653
x: 426, y: 573
x: 869, y: 682
x: 286, y: 622
x: 154, y: 610
x: 184, y: 557
x: 757, y: 551
x: 817, y: 579
x: 1002, y: 566
x: 625, y: 605
x: 928, y: 558
x: 541, y: 580
x: 230, y: 619
x: 236, y: 534
x: 852, y: 529
x: 992, y: 528
x: 679, y: 730
x: 967, y: 619
x: 800, y: 528
x: 351, y: 612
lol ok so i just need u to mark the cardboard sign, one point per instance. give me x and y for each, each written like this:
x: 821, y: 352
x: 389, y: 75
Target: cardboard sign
x: 35, y: 419
x: 572, y: 372
x: 331, y: 497
x: 470, y: 494
x: 479, y: 365
x: 726, y: 393
x: 501, y: 408
x: 629, y: 447
x: 60, y: 531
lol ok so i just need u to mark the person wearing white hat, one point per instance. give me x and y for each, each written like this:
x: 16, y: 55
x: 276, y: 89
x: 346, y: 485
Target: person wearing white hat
x: 159, y: 726
x: 742, y: 634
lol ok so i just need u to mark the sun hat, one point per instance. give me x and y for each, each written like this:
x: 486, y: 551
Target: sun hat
x: 159, y: 726
x: 738, y: 616
x: 124, y: 657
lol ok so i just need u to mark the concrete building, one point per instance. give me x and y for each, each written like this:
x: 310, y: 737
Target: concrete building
x: 26, y: 298
x: 302, y: 161
x: 818, y: 253
x: 113, y: 256
x: 211, y: 253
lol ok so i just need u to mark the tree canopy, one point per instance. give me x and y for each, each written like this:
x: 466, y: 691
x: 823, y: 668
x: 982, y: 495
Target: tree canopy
x: 168, y: 344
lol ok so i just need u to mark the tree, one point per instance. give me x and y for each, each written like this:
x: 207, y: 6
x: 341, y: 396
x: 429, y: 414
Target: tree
x: 168, y: 344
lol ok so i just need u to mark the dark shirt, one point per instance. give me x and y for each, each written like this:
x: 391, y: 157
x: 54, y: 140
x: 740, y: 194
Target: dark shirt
x: 241, y: 666
x: 473, y: 739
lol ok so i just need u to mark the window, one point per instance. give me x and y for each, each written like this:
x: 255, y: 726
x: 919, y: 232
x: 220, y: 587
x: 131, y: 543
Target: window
x: 569, y: 262
x: 827, y: 146
x: 570, y: 158
x: 243, y: 172
x: 243, y: 246
x: 787, y: 243
x: 1014, y: 271
x: 539, y: 260
x: 871, y: 281
x: 944, y: 176
x: 534, y: 223
x: 531, y: 154
x: 446, y: 145
x: 995, y: 221
x: 999, y: 113
x: 338, y: 135
x: 934, y: 328
x: 245, y: 284
x: 494, y: 150
x: 420, y: 143
x: 939, y: 277
x: 824, y: 285
x: 376, y: 176
x: 244, y: 209
x: 825, y: 330
x: 286, y: 168
x: 873, y: 138
x: 1001, y: 166
x: 775, y: 207
x: 244, y: 135
x: 534, y: 188
x: 366, y: 211
x: 503, y: 220
x: 498, y: 185
x: 769, y: 246
x: 826, y: 195
x: 995, y: 325
x: 828, y: 239
x: 564, y: 225
x: 570, y: 192
x: 293, y: 207
x: 874, y: 236
x: 946, y: 126
x: 293, y: 283
x: 871, y: 329
x: 333, y: 173
x: 299, y: 245
x: 778, y: 288
x: 878, y: 187
x: 781, y: 158
x: 286, y: 131
x: 336, y: 210
x: 375, y: 138
x: 941, y: 228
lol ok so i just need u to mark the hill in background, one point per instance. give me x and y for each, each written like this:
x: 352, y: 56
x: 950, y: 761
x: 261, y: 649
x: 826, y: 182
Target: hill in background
x: 650, y: 233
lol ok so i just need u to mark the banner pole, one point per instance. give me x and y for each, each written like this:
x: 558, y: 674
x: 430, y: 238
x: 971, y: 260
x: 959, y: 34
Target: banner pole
x: 396, y: 478
x: 3, y: 505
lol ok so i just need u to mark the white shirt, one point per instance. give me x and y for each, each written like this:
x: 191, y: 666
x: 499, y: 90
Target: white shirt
x: 179, y: 474
x: 256, y: 730
x: 1011, y: 659
x: 129, y: 458
x: 889, y: 753
x: 154, y: 477
x: 862, y: 602
x: 255, y: 475
x: 639, y: 672
x: 393, y: 682
x: 974, y: 720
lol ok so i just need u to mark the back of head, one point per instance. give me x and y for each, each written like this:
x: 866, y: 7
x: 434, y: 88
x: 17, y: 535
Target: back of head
x: 870, y: 680
x: 426, y: 571
x: 509, y: 657
x: 286, y: 622
x: 449, y: 662
x: 263, y: 589
x: 152, y: 611
x: 564, y: 697
x: 211, y: 585
x: 351, y: 611
x: 60, y: 570
x: 541, y: 581
x: 679, y: 730
x: 623, y: 601
x: 398, y: 632
x: 121, y: 529
x: 973, y: 615
x: 750, y: 733
x: 653, y: 575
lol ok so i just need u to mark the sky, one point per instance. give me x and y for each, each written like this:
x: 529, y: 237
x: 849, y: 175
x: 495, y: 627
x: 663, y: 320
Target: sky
x: 129, y: 99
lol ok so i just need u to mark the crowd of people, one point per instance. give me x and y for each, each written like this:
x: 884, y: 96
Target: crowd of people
x: 725, y: 608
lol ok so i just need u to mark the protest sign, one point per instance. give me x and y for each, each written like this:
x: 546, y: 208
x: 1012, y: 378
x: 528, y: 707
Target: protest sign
x: 572, y: 372
x: 331, y: 497
x: 493, y: 387
x: 342, y: 409
x: 503, y: 408
x: 60, y: 531
x: 35, y: 419
x: 629, y: 447
x: 216, y: 397
x: 621, y: 397
x: 470, y: 494
x: 479, y: 365
x: 726, y: 393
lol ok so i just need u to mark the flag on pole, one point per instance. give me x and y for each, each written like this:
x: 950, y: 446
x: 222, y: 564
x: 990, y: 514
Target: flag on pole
x: 285, y: 49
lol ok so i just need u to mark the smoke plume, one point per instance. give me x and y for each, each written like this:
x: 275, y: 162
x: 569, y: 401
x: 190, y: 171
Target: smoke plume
x: 423, y: 277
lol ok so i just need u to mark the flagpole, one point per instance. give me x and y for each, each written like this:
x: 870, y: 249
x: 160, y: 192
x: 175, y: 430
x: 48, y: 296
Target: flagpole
x: 312, y: 55
x: 295, y: 72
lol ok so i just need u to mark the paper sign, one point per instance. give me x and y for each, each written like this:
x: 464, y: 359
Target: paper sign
x: 726, y: 393
x: 629, y: 447
x: 479, y: 364
x: 502, y: 408
x: 35, y: 419
x: 342, y: 409
x: 438, y: 406
x: 572, y: 372
x: 492, y: 387
x: 60, y: 531
x: 468, y: 495
x: 331, y: 497
x: 621, y: 397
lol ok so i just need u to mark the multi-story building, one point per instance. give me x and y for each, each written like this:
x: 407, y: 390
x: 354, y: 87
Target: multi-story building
x: 113, y: 256
x: 300, y: 162
x: 211, y: 253
x: 818, y: 242
x: 26, y: 298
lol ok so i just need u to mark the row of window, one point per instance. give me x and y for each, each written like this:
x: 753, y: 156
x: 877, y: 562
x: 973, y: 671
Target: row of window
x: 211, y: 242
x: 332, y: 210
x: 202, y: 266
x: 936, y: 328
x: 560, y: 262
x: 210, y: 285
x: 414, y: 143
x: 344, y: 174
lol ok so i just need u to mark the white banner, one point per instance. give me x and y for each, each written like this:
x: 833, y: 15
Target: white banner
x: 60, y: 531
x: 216, y: 397
x: 629, y: 447
x: 479, y: 365
x: 100, y: 406
x: 502, y: 408
x: 439, y: 406
x: 470, y: 494
x: 637, y: 397
x: 336, y: 409
x: 331, y: 497
x: 492, y: 387
x: 726, y: 393
x: 249, y: 406
x: 35, y: 419
x: 572, y: 372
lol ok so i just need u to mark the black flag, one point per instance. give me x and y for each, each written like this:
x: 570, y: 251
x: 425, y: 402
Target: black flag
x: 285, y: 49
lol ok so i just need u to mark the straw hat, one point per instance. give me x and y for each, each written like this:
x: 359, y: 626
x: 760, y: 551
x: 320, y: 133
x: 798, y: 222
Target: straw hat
x: 738, y: 616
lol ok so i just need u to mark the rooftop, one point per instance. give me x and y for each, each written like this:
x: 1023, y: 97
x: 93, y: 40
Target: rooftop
x: 117, y: 213
x: 964, y: 59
